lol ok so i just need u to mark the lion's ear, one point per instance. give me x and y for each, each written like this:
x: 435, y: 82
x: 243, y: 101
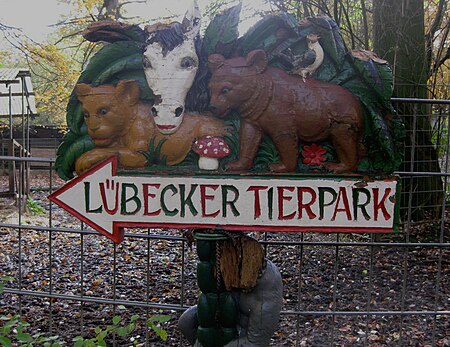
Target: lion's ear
x: 257, y: 59
x: 215, y: 61
x: 128, y: 91
x: 82, y: 90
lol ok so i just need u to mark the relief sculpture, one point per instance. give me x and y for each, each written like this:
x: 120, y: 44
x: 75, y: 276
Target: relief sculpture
x: 286, y: 97
x: 117, y: 124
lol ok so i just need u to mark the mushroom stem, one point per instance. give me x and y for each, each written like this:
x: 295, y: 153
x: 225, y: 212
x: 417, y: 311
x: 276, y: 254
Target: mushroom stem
x: 206, y: 163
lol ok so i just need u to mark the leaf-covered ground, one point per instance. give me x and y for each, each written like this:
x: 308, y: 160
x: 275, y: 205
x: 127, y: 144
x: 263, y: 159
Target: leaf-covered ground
x: 317, y: 278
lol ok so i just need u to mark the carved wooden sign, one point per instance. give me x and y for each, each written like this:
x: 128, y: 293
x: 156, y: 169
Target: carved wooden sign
x: 108, y: 202
x: 280, y: 129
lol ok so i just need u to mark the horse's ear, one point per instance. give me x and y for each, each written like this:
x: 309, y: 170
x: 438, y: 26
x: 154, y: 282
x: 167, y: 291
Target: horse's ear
x: 82, y: 90
x: 191, y: 21
x: 215, y: 61
x: 257, y: 59
x: 128, y: 91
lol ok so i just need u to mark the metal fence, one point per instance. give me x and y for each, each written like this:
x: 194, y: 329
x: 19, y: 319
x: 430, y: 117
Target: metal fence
x: 339, y: 289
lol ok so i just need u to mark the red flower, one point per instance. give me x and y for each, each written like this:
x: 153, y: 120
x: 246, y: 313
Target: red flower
x: 313, y: 155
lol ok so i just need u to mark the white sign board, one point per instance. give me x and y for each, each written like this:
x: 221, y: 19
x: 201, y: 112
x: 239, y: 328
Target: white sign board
x: 109, y: 203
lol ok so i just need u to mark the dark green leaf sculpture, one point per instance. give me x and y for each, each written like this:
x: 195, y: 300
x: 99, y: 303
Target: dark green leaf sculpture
x: 222, y: 32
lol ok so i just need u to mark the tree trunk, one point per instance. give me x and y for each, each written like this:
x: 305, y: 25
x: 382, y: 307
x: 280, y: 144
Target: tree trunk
x: 399, y: 37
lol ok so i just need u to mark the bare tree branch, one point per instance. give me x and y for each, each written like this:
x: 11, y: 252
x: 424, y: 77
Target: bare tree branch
x: 430, y: 35
x: 438, y: 18
x: 349, y: 25
x: 365, y: 24
x: 65, y: 37
x: 442, y: 60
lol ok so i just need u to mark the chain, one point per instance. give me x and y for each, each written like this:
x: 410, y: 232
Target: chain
x: 217, y: 269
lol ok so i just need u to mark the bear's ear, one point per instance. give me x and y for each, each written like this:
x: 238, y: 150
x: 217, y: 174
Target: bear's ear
x: 215, y: 61
x: 128, y: 91
x: 257, y: 59
x: 82, y: 90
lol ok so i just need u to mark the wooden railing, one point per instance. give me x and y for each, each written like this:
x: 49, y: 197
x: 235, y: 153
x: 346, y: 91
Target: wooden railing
x: 19, y: 174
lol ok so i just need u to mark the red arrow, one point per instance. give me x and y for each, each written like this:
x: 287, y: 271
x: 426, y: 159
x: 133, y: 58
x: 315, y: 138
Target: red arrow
x: 70, y: 196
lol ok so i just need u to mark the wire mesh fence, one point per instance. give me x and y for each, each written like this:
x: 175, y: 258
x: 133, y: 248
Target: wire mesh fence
x: 339, y: 289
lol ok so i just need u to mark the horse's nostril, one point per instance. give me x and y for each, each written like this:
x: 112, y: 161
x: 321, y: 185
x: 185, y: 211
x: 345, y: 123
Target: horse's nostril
x: 154, y: 112
x: 178, y: 111
x: 212, y: 108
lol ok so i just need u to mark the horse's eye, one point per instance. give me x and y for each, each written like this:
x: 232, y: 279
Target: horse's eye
x: 225, y: 90
x: 86, y: 114
x: 103, y: 111
x: 187, y: 62
x: 146, y: 62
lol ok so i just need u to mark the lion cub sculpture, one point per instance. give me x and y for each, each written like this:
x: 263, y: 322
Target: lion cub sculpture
x: 117, y: 123
x: 286, y: 108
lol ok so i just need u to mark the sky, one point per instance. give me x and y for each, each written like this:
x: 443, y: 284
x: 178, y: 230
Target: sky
x: 36, y: 17
x: 32, y: 16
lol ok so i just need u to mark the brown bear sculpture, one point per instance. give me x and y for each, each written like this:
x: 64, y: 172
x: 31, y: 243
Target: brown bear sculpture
x: 286, y: 108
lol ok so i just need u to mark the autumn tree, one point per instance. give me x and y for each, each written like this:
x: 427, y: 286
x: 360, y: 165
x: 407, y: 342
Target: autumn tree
x: 56, y: 64
x: 402, y: 37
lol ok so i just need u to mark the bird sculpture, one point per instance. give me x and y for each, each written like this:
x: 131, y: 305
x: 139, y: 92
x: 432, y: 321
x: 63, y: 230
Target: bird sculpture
x: 311, y: 59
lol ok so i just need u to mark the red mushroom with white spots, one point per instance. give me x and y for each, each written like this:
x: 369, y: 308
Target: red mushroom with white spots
x: 210, y: 149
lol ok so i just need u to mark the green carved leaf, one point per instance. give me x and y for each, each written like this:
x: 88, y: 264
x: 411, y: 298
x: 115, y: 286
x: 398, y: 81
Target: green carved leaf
x: 106, y: 56
x: 70, y: 149
x: 130, y: 32
x: 137, y: 75
x: 74, y: 114
x: 384, y: 133
x: 132, y: 62
x: 265, y: 34
x: 135, y: 33
x: 222, y: 31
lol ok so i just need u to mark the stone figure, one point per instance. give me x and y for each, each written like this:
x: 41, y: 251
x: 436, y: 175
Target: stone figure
x: 259, y: 312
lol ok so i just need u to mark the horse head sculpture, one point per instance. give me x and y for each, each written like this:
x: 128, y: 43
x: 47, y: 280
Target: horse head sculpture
x: 170, y: 65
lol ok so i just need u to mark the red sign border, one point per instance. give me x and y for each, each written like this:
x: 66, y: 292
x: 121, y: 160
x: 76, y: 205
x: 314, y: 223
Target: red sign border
x: 117, y: 234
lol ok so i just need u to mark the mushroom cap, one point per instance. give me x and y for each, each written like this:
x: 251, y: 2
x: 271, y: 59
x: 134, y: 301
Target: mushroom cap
x: 211, y: 147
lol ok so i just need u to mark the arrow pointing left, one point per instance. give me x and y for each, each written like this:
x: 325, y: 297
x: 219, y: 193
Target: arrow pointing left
x: 77, y: 198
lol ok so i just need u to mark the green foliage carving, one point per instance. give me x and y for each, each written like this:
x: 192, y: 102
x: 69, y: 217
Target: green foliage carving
x: 222, y: 32
x: 153, y: 155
